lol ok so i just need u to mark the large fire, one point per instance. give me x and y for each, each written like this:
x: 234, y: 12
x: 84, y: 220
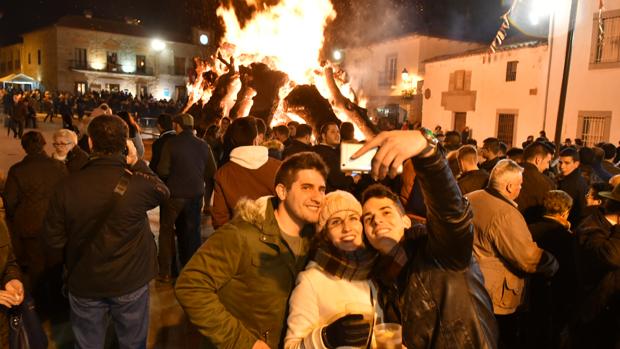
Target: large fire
x: 287, y: 37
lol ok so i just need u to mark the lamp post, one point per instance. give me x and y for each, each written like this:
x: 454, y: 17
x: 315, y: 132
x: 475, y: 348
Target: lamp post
x: 408, y: 90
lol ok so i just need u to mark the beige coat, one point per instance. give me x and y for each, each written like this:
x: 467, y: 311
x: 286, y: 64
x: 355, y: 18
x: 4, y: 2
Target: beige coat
x: 503, y: 246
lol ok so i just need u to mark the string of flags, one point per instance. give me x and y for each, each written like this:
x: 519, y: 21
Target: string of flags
x: 601, y: 29
x: 503, y: 28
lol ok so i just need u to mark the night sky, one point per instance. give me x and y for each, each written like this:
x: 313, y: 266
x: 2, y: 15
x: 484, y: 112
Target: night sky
x: 358, y: 21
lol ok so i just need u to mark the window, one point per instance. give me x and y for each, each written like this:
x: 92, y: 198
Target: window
x: 511, y: 70
x: 460, y: 121
x: 114, y: 87
x: 506, y: 128
x: 18, y: 62
x: 140, y: 64
x: 29, y: 58
x: 606, y: 47
x: 80, y: 87
x: 112, y: 61
x: 79, y: 58
x: 387, y: 78
x: 593, y: 127
x: 390, y: 69
x: 39, y: 57
x: 179, y: 65
x: 460, y: 80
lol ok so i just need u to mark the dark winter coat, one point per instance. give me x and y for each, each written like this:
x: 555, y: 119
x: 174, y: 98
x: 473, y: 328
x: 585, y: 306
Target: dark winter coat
x: 473, y: 180
x: 535, y: 186
x: 336, y: 179
x: 122, y: 257
x: 29, y: 186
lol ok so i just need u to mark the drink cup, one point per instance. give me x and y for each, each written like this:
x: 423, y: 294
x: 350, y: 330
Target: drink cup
x: 388, y: 336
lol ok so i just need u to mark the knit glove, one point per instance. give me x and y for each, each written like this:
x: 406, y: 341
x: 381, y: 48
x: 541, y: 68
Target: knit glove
x: 349, y: 330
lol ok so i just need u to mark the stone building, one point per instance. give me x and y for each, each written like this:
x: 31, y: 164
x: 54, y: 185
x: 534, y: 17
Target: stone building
x: 82, y: 53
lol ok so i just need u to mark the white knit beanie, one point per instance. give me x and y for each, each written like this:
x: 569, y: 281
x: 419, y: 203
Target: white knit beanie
x: 337, y: 201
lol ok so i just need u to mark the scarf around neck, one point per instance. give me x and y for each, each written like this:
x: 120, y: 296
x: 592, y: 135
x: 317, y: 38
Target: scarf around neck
x: 353, y: 265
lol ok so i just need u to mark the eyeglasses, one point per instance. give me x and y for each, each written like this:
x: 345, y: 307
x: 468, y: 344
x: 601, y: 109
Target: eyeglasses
x: 61, y: 144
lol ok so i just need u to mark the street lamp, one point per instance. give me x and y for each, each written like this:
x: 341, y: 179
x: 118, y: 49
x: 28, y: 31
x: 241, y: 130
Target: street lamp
x: 337, y: 55
x: 158, y: 45
x: 204, y: 39
x: 408, y: 90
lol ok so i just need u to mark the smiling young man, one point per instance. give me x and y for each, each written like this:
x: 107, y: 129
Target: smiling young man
x: 428, y: 277
x: 236, y: 287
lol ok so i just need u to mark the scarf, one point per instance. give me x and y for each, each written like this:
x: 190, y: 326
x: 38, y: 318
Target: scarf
x: 348, y: 265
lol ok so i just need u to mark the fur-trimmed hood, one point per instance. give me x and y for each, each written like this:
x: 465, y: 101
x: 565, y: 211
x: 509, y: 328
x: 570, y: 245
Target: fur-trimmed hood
x: 253, y: 211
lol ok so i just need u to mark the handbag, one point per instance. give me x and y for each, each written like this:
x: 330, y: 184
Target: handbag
x: 25, y: 329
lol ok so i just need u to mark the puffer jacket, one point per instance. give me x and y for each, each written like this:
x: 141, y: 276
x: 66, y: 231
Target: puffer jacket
x: 235, y: 289
x: 442, y: 299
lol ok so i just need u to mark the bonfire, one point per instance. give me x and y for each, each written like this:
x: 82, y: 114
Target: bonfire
x: 271, y: 69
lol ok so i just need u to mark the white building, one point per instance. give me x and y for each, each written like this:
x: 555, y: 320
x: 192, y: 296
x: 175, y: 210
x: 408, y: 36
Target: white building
x: 514, y: 92
x: 377, y: 71
x: 81, y: 53
x: 500, y: 94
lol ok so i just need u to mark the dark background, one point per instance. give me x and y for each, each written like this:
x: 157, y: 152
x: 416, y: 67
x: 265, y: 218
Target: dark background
x: 358, y: 21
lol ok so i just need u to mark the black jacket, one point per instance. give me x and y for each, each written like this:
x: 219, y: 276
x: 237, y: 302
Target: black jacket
x: 336, y: 179
x: 295, y: 147
x: 535, y: 186
x: 489, y: 164
x: 473, y: 180
x: 186, y: 164
x: 122, y: 257
x: 29, y: 186
x: 442, y: 299
x: 575, y: 185
x: 157, y: 148
x: 76, y: 159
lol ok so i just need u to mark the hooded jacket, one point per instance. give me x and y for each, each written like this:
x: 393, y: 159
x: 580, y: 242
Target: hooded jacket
x: 236, y: 287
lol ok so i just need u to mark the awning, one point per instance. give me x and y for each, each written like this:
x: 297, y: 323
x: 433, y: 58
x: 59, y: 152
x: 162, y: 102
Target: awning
x: 19, y: 78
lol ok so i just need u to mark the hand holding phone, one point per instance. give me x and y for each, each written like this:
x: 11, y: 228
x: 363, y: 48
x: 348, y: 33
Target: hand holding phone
x: 394, y: 147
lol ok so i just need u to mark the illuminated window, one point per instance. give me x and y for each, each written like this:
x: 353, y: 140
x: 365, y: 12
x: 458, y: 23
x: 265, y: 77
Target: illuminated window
x: 606, y: 45
x: 593, y: 127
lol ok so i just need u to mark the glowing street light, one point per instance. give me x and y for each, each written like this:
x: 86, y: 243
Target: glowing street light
x: 404, y: 75
x: 337, y: 55
x: 204, y: 39
x: 540, y: 10
x: 158, y: 45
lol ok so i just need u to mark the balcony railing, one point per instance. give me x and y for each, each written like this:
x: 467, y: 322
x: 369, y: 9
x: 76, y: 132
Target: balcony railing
x: 109, y: 68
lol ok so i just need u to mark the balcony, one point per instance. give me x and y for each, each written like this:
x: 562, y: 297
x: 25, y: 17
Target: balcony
x: 109, y: 68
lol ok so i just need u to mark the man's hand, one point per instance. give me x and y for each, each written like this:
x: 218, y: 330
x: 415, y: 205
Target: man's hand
x: 13, y: 293
x: 394, y: 148
x: 132, y: 153
x: 260, y: 345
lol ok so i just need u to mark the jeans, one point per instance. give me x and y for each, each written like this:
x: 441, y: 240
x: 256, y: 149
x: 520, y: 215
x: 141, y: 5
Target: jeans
x: 184, y: 214
x: 129, y: 313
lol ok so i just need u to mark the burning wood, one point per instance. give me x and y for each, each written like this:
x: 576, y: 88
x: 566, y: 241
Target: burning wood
x: 274, y: 70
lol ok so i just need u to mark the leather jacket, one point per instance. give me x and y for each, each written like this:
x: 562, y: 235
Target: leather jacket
x: 442, y: 300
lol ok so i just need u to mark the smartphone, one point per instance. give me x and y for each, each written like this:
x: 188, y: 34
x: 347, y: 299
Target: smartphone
x: 362, y: 164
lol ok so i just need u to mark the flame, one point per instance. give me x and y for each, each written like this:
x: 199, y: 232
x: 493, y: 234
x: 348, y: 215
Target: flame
x: 287, y: 37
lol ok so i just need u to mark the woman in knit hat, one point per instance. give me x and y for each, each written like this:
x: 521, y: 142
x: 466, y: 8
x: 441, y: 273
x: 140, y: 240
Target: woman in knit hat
x: 327, y: 304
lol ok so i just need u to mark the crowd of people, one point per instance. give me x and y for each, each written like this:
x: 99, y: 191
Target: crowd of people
x: 463, y: 246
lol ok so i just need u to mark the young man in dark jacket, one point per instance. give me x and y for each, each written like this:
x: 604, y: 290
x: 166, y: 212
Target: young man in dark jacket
x: 439, y: 287
x: 537, y: 157
x: 109, y: 261
x: 186, y: 164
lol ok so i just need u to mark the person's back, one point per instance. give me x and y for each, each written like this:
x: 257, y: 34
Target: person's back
x: 185, y: 159
x: 250, y: 172
x: 98, y: 215
x: 471, y: 178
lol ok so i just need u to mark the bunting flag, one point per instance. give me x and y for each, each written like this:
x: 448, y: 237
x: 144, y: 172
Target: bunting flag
x: 601, y: 29
x: 503, y: 28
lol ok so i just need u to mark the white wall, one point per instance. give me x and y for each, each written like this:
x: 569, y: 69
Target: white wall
x: 493, y: 93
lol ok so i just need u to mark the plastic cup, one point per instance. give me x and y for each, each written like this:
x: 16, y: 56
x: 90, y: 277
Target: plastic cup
x: 388, y: 336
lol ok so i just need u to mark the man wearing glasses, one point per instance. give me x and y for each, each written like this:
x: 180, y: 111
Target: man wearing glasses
x: 65, y: 150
